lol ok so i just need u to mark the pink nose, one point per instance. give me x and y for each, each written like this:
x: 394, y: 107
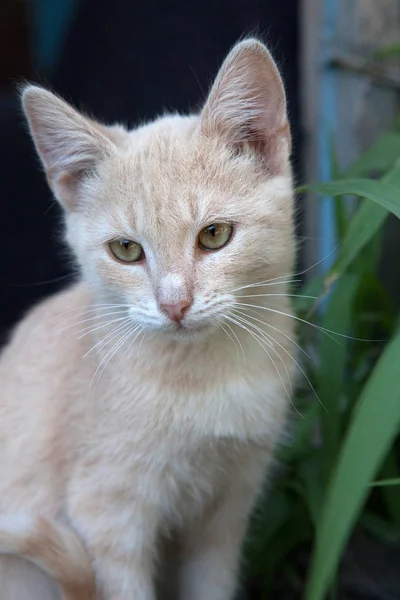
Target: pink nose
x: 176, y: 311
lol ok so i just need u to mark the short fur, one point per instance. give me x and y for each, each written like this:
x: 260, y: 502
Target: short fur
x: 133, y: 428
x: 54, y: 548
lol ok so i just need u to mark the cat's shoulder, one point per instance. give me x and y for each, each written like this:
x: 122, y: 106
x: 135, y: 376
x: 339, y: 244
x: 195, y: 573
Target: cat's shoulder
x: 60, y: 304
x: 52, y: 313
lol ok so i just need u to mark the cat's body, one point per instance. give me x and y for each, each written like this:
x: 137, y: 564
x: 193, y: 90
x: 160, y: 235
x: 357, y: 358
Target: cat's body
x: 165, y: 428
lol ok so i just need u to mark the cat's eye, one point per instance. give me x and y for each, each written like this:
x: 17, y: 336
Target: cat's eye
x: 215, y: 236
x: 126, y: 251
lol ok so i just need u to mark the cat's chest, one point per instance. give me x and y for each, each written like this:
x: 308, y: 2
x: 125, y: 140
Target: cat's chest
x: 189, y: 475
x: 155, y: 406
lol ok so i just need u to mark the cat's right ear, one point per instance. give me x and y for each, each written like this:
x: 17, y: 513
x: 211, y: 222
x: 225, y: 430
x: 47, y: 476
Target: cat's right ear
x: 247, y: 105
x: 69, y: 144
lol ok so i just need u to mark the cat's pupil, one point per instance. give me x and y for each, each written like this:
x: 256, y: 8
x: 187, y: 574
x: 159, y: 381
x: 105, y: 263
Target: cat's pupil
x: 126, y: 244
x: 213, y: 230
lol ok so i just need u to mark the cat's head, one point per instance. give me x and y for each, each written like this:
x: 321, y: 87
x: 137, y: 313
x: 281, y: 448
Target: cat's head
x: 172, y: 218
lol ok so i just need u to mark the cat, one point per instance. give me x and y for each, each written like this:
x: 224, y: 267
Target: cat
x: 142, y: 405
x: 54, y: 548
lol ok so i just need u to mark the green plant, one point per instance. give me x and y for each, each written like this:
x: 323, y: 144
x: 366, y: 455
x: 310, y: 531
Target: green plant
x: 342, y: 468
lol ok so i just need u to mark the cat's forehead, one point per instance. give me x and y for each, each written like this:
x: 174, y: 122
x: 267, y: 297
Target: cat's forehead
x: 172, y: 149
x: 169, y: 171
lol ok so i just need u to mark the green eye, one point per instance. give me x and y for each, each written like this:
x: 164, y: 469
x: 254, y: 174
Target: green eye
x: 126, y: 251
x: 215, y: 236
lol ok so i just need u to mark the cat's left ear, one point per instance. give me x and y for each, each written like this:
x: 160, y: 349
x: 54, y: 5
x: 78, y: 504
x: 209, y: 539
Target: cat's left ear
x: 247, y: 105
x: 69, y: 144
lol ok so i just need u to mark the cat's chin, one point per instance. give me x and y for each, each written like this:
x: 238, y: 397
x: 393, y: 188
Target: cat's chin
x: 189, y: 332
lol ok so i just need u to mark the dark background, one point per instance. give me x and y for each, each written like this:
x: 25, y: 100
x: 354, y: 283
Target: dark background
x: 121, y: 61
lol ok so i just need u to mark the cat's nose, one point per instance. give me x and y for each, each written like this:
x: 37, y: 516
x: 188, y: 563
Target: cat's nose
x: 176, y: 311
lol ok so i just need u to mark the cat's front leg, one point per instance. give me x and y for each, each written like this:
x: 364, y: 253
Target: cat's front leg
x: 212, y: 546
x: 212, y: 552
x: 121, y: 537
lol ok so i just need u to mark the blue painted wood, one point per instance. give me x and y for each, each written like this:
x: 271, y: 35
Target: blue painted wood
x: 50, y: 22
x: 326, y: 129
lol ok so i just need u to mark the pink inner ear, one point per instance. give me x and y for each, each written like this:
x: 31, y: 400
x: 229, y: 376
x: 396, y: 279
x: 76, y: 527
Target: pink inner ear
x: 247, y: 104
x: 68, y: 143
x: 66, y: 187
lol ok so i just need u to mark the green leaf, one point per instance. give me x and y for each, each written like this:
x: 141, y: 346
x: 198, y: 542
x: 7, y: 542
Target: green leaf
x: 272, y: 524
x: 381, y: 156
x: 391, y: 491
x: 315, y: 287
x: 340, y: 202
x: 387, y: 51
x: 383, y: 193
x: 364, y: 225
x: 300, y: 444
x: 368, y: 259
x: 296, y: 530
x: 333, y: 353
x: 385, y: 482
x: 270, y: 515
x: 310, y: 471
x: 380, y: 528
x: 372, y: 430
x: 366, y: 222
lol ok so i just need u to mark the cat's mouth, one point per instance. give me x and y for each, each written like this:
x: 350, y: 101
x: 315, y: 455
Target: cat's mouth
x: 184, y: 330
x: 187, y: 327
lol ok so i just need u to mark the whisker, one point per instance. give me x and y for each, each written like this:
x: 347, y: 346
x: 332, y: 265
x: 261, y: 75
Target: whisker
x: 264, y: 284
x: 89, y: 320
x: 93, y: 309
x: 321, y: 260
x: 220, y: 326
x: 109, y: 338
x: 318, y: 327
x: 297, y: 365
x: 275, y: 329
x: 311, y: 267
x: 103, y: 342
x: 237, y: 340
x: 260, y: 341
x: 73, y: 323
x: 273, y: 362
x: 141, y: 341
x: 91, y: 328
x: 286, y: 295
x: 138, y: 330
x: 115, y: 349
x: 141, y: 329
x: 45, y: 282
x: 283, y: 278
x: 124, y: 334
x: 269, y: 340
x: 90, y: 308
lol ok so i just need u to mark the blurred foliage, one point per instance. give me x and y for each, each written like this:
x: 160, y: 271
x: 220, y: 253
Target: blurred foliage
x: 393, y: 50
x: 341, y: 469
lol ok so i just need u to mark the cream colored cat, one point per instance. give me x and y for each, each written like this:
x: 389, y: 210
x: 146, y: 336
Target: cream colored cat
x: 141, y: 406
